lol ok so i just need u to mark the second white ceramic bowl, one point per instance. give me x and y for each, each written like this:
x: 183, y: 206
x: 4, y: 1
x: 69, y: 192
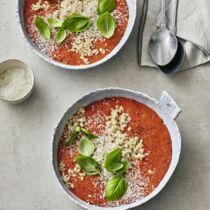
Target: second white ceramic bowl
x: 132, y: 16
x: 166, y: 108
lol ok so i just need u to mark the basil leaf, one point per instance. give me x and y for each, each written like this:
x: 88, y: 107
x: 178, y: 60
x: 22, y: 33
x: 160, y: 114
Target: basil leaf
x: 43, y: 28
x: 76, y: 23
x: 61, y: 35
x: 115, y: 167
x: 86, y: 147
x: 106, y: 6
x: 106, y: 25
x: 112, y: 161
x: 115, y: 188
x: 88, y: 134
x: 126, y: 166
x: 73, y: 136
x: 54, y: 22
x: 88, y: 164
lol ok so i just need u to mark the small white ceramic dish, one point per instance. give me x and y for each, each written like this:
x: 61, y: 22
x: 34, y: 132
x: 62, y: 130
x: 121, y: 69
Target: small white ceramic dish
x: 166, y: 108
x: 14, y: 64
x: 131, y: 21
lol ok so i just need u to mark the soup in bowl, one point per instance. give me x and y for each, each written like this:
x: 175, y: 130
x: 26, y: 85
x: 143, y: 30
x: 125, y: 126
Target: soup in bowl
x: 116, y: 148
x: 76, y: 34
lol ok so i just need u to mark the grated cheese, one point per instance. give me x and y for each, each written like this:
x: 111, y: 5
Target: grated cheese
x: 15, y: 83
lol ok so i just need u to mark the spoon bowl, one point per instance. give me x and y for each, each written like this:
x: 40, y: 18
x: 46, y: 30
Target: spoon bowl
x: 176, y: 63
x: 163, y: 46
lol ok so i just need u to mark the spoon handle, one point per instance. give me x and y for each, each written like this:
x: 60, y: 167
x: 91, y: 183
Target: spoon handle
x: 174, y: 17
x: 163, y: 15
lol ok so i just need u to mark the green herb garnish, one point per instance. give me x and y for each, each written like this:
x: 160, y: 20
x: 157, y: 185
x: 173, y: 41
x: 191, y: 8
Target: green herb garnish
x: 115, y: 188
x: 126, y: 166
x: 88, y: 164
x: 61, y: 35
x: 76, y: 23
x: 86, y: 147
x: 73, y: 136
x: 42, y: 27
x: 106, y: 6
x: 106, y: 25
x: 88, y: 134
x: 54, y: 22
x: 112, y: 161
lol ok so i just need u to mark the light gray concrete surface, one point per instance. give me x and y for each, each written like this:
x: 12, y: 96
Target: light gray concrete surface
x: 26, y: 179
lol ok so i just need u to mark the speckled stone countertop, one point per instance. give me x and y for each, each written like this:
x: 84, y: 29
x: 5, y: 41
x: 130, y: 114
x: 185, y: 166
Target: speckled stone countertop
x: 27, y: 181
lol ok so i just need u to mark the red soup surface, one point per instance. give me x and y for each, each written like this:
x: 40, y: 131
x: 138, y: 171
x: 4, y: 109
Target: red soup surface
x: 78, y: 48
x: 146, y: 125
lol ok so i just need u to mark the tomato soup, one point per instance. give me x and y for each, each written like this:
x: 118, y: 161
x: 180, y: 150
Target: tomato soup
x: 116, y: 122
x: 79, y: 48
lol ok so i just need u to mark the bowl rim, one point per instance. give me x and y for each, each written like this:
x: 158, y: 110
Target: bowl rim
x: 118, y: 47
x: 174, y: 161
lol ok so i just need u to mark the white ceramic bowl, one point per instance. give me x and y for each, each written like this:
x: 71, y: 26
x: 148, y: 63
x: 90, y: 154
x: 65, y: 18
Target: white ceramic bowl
x: 131, y: 21
x: 166, y: 108
x: 14, y: 63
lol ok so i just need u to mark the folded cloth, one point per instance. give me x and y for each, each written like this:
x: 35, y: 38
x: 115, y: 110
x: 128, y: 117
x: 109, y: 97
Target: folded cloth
x: 193, y: 21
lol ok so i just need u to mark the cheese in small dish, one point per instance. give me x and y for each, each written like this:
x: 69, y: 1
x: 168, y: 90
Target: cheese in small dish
x: 16, y: 81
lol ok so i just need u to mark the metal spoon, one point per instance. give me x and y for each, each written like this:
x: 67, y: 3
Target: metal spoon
x: 179, y: 58
x: 163, y: 44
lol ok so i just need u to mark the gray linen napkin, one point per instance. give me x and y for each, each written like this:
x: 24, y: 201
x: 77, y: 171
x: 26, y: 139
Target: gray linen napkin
x: 193, y: 29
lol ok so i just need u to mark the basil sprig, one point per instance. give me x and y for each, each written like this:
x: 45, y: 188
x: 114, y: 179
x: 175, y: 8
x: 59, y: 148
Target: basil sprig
x: 115, y: 188
x: 126, y: 166
x: 61, y: 35
x: 88, y: 134
x: 42, y: 27
x: 76, y: 23
x: 73, y: 136
x: 73, y: 23
x: 113, y: 162
x: 86, y: 147
x: 88, y: 164
x: 76, y: 131
x: 106, y: 25
x: 106, y: 6
x: 54, y: 22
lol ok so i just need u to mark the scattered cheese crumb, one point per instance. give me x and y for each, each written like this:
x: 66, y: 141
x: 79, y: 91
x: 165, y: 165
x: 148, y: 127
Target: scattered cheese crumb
x: 39, y: 5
